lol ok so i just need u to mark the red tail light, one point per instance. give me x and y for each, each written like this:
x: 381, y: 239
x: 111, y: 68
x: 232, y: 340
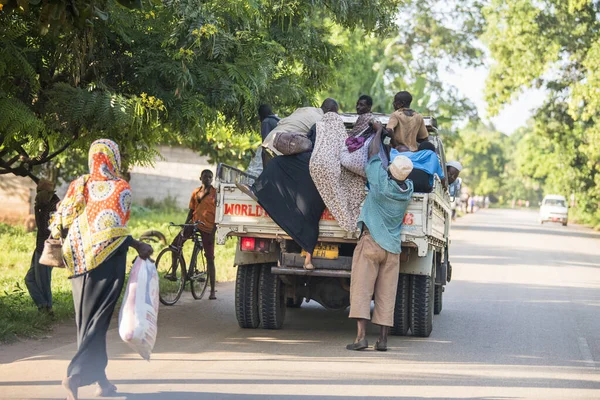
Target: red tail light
x: 262, y: 245
x: 247, y: 244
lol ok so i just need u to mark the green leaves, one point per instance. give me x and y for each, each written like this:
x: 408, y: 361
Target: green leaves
x: 554, y: 45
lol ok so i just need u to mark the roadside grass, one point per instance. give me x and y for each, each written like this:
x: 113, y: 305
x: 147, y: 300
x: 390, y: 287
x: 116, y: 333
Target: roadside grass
x: 19, y: 316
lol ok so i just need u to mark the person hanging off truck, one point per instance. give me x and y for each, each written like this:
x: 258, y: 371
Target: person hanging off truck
x: 376, y: 261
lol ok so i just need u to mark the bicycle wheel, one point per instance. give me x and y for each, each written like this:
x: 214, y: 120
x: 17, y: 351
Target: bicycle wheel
x: 198, y: 276
x: 171, y: 276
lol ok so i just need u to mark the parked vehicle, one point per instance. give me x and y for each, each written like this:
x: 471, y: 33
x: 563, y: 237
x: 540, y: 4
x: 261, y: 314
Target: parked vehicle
x: 271, y: 276
x: 554, y: 209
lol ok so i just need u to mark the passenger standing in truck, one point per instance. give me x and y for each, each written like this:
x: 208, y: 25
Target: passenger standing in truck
x: 406, y: 127
x: 376, y: 260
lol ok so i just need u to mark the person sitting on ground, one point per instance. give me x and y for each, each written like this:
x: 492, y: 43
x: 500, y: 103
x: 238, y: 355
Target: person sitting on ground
x: 406, y: 127
x: 202, y: 208
x: 426, y: 163
x: 376, y: 261
x: 301, y: 121
x: 286, y: 191
x: 39, y: 277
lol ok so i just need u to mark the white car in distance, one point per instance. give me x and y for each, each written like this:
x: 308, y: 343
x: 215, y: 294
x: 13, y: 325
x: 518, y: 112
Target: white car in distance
x: 554, y: 209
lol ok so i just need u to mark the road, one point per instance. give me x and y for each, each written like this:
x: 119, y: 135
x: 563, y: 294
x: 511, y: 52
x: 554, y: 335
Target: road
x: 520, y: 320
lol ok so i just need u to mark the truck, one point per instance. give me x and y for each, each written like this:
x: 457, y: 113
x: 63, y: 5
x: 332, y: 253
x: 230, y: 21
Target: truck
x: 270, y: 275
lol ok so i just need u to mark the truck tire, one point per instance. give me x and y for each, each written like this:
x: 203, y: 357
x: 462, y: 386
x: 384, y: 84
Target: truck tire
x: 271, y: 299
x: 246, y: 296
x: 421, y: 305
x: 437, y: 302
x: 402, y: 308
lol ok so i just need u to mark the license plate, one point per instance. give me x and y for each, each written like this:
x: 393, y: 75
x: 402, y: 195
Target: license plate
x: 328, y: 251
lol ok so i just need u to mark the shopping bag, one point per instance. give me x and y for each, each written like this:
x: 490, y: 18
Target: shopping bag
x: 139, y: 311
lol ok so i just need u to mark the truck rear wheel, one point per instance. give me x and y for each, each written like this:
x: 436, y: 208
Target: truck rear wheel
x: 402, y: 309
x: 422, y: 302
x: 271, y: 299
x: 246, y: 296
x: 437, y: 302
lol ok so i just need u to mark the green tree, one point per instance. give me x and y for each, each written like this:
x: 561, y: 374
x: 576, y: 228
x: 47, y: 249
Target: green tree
x: 179, y: 71
x: 484, y: 151
x: 554, y: 45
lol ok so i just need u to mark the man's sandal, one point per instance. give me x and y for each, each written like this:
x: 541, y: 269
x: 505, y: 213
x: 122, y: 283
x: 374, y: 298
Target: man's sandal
x: 360, y: 345
x: 380, y: 347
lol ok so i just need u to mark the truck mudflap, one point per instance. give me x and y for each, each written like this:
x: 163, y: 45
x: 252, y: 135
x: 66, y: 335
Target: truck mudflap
x: 418, y: 265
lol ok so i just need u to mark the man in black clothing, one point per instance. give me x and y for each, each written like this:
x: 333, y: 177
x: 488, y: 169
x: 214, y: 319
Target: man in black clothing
x: 39, y: 276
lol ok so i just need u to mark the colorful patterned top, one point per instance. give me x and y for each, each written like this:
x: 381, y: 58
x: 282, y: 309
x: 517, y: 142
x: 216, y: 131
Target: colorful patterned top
x: 95, y: 210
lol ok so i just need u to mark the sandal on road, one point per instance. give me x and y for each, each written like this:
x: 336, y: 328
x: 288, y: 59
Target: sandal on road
x: 380, y: 347
x: 360, y: 345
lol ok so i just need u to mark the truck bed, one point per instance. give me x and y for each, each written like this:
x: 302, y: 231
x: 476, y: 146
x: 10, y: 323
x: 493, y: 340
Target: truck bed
x: 239, y: 215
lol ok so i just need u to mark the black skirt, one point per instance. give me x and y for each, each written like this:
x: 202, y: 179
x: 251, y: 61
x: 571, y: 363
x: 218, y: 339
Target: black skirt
x: 288, y: 194
x: 95, y: 296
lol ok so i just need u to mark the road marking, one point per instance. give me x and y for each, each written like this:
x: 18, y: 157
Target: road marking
x: 586, y: 354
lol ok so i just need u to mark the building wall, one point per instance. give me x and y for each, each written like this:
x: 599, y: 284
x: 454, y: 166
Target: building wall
x: 176, y: 175
x: 16, y: 198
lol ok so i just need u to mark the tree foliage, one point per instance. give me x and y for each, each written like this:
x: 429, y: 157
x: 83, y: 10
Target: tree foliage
x: 554, y: 45
x: 149, y: 72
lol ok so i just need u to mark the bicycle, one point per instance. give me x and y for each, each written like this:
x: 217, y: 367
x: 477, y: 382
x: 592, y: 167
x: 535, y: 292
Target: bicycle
x: 172, y: 272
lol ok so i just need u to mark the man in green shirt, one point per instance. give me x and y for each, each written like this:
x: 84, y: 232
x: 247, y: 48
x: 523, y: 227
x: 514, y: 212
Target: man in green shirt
x: 376, y: 259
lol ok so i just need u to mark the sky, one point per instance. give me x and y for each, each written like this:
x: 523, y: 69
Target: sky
x: 471, y: 83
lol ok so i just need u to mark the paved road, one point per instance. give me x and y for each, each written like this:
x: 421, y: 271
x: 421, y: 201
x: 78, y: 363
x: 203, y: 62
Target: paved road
x: 520, y: 320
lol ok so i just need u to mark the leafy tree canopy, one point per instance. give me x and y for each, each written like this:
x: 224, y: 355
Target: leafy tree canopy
x: 553, y: 45
x: 148, y: 72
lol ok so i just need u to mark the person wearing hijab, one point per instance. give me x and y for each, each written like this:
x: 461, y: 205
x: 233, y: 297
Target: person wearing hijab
x: 39, y: 277
x: 92, y: 220
x: 342, y: 190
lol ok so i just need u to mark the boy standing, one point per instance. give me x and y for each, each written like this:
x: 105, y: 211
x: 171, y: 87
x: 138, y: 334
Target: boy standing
x: 202, y: 209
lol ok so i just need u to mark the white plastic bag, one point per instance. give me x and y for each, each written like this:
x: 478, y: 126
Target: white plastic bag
x: 139, y: 311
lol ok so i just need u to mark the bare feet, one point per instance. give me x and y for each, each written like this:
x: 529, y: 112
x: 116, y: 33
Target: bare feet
x: 71, y: 384
x: 105, y: 389
x: 308, y: 265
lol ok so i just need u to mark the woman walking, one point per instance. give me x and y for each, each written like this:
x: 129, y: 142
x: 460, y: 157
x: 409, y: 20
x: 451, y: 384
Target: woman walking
x: 92, y: 219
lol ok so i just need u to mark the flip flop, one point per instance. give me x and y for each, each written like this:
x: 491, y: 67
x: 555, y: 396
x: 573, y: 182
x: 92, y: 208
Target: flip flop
x: 361, y: 345
x: 380, y: 347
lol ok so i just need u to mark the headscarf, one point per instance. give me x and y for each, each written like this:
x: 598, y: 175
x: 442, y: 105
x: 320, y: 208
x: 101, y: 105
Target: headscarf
x: 95, y: 210
x: 361, y: 124
x: 359, y: 134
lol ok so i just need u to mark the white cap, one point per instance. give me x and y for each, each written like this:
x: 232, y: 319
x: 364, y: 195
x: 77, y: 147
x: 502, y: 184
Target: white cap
x: 454, y: 164
x: 400, y: 167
